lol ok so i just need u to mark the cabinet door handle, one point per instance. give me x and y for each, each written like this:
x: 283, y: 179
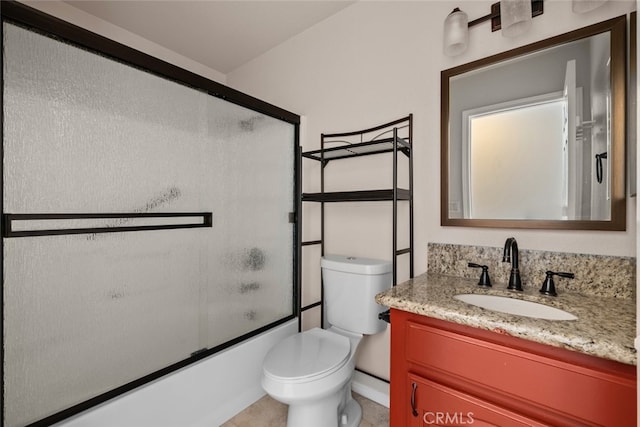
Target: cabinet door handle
x: 414, y: 386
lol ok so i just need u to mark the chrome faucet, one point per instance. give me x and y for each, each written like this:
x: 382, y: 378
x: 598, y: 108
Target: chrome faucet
x: 510, y: 254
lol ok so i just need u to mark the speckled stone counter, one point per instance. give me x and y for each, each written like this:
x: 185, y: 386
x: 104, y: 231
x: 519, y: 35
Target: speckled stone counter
x: 605, y: 326
x: 598, y: 275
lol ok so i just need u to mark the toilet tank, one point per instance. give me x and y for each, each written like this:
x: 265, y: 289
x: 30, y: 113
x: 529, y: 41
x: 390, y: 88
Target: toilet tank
x: 350, y: 286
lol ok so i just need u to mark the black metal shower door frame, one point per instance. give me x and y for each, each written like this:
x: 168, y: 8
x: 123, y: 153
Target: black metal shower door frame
x: 32, y: 19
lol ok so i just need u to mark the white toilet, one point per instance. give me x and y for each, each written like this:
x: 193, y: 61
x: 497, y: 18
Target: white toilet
x: 311, y: 371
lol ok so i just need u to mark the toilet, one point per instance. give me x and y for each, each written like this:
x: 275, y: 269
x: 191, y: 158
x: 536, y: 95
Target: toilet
x: 311, y: 371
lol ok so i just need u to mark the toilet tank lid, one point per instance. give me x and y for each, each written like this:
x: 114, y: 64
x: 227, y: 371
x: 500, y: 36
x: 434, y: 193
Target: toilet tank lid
x: 357, y: 265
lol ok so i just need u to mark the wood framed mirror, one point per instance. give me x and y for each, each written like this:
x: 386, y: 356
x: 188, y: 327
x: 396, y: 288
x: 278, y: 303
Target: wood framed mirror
x: 535, y: 137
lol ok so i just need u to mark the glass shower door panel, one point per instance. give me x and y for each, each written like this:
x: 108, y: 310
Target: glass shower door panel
x: 250, y: 284
x: 85, y: 314
x: 84, y: 133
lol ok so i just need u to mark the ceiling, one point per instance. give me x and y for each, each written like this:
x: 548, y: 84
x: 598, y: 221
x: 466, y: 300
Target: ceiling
x: 220, y: 34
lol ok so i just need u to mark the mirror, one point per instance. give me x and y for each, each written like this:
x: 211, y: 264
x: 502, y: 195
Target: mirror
x: 535, y: 137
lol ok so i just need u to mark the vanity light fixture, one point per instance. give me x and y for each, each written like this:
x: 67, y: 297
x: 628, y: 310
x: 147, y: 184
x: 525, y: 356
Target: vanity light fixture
x: 516, y: 17
x: 512, y: 16
x: 583, y: 6
x: 456, y: 33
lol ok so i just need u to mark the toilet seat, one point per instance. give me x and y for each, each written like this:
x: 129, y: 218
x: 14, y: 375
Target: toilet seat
x: 307, y: 356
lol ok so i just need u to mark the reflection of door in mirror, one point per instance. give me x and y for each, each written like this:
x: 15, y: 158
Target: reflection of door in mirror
x: 599, y: 129
x: 572, y: 151
x: 514, y: 158
x: 531, y: 158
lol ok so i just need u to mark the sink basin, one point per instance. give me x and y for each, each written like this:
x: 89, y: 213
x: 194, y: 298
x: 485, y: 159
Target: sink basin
x: 515, y: 306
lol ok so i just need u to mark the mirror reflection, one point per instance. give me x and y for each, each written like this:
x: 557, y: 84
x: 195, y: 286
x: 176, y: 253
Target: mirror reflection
x: 530, y: 135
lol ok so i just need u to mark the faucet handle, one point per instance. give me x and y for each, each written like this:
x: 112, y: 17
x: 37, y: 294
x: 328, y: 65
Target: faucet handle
x: 484, y: 275
x: 548, y: 286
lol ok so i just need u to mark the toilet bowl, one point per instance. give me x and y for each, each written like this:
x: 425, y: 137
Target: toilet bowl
x: 312, y: 370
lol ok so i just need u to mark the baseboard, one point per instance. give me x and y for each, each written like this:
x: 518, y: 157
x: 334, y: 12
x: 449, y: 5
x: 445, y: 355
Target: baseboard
x: 371, y: 388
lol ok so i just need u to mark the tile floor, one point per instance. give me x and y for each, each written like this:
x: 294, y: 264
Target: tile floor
x: 268, y: 412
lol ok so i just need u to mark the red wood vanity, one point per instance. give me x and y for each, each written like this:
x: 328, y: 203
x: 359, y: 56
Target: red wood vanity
x: 446, y: 374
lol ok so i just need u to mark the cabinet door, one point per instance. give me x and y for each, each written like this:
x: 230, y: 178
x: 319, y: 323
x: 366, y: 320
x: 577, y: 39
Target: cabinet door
x: 433, y: 404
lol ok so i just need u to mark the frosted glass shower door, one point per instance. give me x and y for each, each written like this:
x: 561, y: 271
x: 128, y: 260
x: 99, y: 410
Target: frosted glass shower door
x: 87, y: 313
x: 251, y: 278
x: 251, y: 264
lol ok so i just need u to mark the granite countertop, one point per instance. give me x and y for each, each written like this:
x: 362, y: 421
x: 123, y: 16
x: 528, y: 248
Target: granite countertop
x: 605, y: 326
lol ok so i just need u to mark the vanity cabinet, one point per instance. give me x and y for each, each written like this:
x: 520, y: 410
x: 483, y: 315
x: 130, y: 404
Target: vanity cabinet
x: 443, y: 373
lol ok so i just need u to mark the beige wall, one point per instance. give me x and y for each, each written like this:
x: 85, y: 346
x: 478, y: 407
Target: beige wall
x: 377, y: 61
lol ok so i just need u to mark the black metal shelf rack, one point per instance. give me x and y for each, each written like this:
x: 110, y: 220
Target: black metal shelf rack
x: 382, y: 139
x: 357, y: 196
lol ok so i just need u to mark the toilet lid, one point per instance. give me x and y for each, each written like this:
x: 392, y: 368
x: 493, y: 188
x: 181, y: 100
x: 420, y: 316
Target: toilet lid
x: 313, y: 353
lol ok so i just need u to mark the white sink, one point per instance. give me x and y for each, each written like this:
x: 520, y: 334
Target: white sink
x: 516, y: 306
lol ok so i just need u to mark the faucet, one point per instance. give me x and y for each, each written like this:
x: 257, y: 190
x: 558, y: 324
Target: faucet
x: 510, y: 254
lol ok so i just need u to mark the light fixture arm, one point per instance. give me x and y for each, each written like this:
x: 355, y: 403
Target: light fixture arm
x: 537, y: 8
x: 495, y: 13
x: 515, y: 17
